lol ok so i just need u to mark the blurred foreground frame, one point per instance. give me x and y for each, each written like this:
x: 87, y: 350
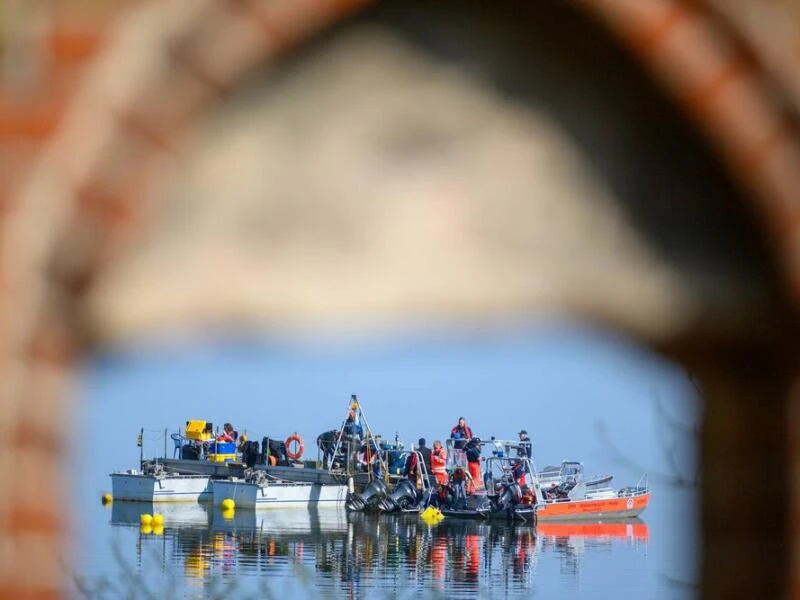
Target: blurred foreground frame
x: 339, y: 165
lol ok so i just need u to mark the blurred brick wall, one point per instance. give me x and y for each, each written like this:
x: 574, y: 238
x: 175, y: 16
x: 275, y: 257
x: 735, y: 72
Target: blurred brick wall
x: 44, y: 48
x: 728, y: 64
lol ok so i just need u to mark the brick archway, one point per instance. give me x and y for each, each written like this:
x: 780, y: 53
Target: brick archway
x: 158, y: 79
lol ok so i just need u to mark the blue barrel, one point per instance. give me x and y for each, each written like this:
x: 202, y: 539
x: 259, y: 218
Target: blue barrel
x: 222, y: 448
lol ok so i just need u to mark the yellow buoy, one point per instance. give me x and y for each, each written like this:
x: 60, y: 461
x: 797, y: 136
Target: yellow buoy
x: 228, y: 513
x: 158, y: 519
x: 146, y: 529
x: 158, y: 530
x: 107, y: 498
x: 228, y: 504
x: 146, y: 519
x: 431, y: 515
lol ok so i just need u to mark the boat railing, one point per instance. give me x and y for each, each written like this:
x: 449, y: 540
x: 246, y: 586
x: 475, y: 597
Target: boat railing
x: 499, y: 469
x: 599, y: 493
x: 640, y: 489
x: 456, y: 454
x: 502, y: 448
x: 423, y: 478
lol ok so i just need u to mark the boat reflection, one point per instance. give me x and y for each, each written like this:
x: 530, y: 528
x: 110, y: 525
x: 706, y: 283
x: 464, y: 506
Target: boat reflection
x: 570, y: 541
x: 354, y: 552
x: 189, y: 515
x: 200, y: 516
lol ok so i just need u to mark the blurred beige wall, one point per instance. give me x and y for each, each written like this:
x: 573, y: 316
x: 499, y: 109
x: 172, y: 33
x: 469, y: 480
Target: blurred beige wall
x: 633, y: 163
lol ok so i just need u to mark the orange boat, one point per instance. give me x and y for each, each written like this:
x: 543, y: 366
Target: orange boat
x: 574, y: 501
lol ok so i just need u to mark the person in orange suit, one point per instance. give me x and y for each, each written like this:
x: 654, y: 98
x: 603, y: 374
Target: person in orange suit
x: 439, y: 463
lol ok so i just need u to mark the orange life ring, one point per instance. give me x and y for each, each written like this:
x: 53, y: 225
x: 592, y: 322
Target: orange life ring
x: 294, y: 455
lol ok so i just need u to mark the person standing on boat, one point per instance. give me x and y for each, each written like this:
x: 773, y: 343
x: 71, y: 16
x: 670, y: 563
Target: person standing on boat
x: 352, y: 425
x: 413, y: 470
x: 473, y: 452
x: 352, y: 433
x: 525, y: 445
x: 425, y: 452
x: 461, y: 433
x: 439, y: 463
x: 229, y: 434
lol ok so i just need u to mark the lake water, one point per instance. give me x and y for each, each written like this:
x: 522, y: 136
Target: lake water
x: 579, y: 394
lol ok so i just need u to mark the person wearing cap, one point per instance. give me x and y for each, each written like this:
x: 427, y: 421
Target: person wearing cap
x: 525, y: 445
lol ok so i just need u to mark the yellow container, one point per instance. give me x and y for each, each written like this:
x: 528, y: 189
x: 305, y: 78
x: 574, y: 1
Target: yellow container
x: 199, y: 430
x: 221, y: 458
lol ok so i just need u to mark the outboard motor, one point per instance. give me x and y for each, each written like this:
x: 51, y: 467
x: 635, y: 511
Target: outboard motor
x: 403, y: 496
x: 509, y: 497
x: 372, y: 494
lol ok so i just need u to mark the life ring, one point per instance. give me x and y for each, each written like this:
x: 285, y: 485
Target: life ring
x: 300, y: 447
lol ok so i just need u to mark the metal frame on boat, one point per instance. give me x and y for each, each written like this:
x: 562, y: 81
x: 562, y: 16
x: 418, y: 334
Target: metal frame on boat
x: 570, y: 471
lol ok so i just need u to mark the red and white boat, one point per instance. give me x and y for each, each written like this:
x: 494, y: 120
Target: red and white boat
x: 575, y: 501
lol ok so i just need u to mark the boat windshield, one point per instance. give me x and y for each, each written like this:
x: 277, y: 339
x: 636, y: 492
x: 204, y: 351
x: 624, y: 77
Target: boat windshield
x: 502, y: 470
x: 572, y: 471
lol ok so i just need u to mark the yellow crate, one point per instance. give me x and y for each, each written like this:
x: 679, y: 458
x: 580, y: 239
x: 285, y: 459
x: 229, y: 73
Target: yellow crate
x: 222, y: 458
x: 199, y: 430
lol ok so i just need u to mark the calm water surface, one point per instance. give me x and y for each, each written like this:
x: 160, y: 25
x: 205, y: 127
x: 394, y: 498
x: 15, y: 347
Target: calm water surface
x: 579, y: 395
x: 201, y: 553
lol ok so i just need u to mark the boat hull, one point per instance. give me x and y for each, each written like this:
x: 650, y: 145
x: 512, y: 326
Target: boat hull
x: 313, y: 475
x: 279, y: 494
x: 521, y: 515
x: 601, y: 508
x: 150, y: 488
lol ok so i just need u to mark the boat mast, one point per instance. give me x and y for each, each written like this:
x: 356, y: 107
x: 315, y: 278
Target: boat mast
x: 140, y: 443
x: 369, y: 438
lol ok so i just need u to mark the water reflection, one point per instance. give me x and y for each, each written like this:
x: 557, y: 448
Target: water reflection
x: 571, y: 541
x: 351, y: 554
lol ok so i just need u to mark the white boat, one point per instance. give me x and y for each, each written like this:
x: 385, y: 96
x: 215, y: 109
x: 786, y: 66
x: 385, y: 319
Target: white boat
x: 160, y: 486
x: 262, y: 491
